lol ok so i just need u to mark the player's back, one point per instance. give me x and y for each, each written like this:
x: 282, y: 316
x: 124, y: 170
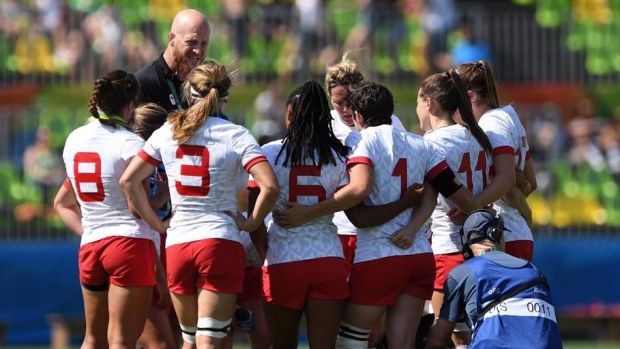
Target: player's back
x: 399, y: 159
x: 507, y: 136
x: 521, y: 145
x: 341, y: 131
x: 470, y: 164
x: 504, y: 129
x: 306, y: 184
x: 202, y: 175
x: 95, y: 157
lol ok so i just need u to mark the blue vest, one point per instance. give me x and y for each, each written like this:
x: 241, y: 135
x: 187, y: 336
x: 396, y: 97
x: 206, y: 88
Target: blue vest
x: 526, y: 320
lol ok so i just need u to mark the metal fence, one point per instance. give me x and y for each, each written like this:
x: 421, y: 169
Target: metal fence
x: 571, y: 199
x: 266, y: 42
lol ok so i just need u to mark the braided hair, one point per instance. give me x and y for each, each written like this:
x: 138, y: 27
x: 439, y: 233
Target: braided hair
x: 310, y: 131
x: 112, y: 92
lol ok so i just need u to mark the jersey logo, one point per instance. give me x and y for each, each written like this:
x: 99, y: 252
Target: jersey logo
x: 172, y: 99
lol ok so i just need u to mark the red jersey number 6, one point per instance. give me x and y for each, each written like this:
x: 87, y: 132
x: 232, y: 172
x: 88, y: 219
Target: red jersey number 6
x: 296, y: 189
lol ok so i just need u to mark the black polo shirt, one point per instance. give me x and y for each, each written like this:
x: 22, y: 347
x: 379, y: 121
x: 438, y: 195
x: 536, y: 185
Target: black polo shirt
x: 154, y: 85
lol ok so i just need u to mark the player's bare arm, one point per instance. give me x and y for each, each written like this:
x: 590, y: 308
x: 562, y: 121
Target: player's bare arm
x: 350, y: 195
x: 404, y: 237
x: 363, y: 216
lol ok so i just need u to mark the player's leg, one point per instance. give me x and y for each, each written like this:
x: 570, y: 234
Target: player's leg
x: 259, y: 337
x: 220, y: 264
x: 285, y: 288
x: 323, y: 321
x: 128, y: 307
x: 325, y: 300
x: 283, y: 323
x: 444, y: 264
x: 96, y: 315
x: 182, y: 276
x: 157, y: 333
x: 95, y: 285
x: 131, y: 263
x: 186, y: 309
x: 215, y: 311
x: 357, y: 322
x: 402, y: 319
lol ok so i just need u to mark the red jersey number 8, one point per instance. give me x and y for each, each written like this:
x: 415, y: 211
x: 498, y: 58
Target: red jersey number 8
x: 201, y: 170
x: 296, y: 190
x: 90, y: 179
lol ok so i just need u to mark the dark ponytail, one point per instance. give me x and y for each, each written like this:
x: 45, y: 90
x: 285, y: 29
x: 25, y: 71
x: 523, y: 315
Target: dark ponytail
x: 467, y: 114
x: 478, y: 77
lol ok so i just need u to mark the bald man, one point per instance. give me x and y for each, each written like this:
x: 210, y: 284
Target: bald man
x: 160, y: 81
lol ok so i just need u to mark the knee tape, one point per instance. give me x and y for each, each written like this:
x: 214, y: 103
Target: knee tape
x: 188, y: 333
x: 351, y: 337
x: 208, y: 326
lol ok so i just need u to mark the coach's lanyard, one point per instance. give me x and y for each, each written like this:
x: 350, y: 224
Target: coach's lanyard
x: 173, y: 91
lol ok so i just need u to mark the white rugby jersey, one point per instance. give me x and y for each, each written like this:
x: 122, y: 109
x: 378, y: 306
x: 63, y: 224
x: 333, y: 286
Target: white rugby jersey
x: 341, y: 131
x: 470, y: 163
x: 95, y: 158
x: 399, y: 159
x: 202, y: 176
x: 307, y: 185
x: 507, y: 136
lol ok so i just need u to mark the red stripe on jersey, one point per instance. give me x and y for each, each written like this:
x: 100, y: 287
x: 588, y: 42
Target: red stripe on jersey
x: 146, y: 157
x: 253, y: 162
x: 528, y: 155
x: 503, y: 150
x: 252, y: 184
x: 360, y: 160
x: 67, y: 185
x: 440, y: 167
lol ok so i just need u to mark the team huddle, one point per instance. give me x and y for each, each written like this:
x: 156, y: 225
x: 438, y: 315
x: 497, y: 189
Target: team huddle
x: 351, y: 220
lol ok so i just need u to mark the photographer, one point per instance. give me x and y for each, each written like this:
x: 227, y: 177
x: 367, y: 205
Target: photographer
x: 506, y: 301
